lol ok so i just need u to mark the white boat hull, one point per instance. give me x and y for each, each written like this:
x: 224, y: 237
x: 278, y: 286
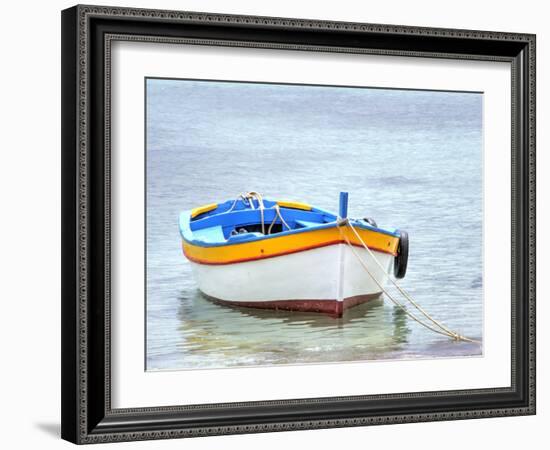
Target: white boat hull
x: 327, y: 279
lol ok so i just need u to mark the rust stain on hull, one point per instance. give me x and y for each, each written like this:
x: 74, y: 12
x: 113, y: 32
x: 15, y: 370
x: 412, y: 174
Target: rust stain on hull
x: 333, y: 308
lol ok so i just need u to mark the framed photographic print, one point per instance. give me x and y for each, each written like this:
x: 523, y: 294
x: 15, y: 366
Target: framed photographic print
x: 280, y: 224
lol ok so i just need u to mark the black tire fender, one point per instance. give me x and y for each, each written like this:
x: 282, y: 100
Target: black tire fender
x: 402, y: 258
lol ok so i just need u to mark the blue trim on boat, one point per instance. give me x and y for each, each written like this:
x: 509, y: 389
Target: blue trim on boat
x: 207, y: 229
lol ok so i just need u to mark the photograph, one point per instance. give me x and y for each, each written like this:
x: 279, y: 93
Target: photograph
x: 291, y: 224
x: 292, y: 219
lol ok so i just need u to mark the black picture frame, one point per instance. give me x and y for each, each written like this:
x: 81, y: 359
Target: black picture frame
x: 87, y: 416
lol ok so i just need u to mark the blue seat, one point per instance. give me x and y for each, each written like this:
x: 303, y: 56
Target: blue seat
x: 211, y: 234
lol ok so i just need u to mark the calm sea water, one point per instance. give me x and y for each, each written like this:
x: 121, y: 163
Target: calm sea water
x: 409, y: 159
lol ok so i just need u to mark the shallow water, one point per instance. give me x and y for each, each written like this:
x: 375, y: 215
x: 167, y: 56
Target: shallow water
x: 409, y: 159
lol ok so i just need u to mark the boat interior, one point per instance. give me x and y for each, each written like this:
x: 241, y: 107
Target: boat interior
x: 243, y: 219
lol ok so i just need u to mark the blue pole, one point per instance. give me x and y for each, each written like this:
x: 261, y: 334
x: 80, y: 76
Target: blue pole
x: 343, y: 207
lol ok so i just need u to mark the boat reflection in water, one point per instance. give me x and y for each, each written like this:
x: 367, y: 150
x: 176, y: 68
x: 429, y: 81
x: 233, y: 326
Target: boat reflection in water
x: 218, y: 336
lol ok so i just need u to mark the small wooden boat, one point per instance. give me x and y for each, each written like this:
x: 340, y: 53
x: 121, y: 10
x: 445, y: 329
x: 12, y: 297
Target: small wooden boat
x: 276, y: 254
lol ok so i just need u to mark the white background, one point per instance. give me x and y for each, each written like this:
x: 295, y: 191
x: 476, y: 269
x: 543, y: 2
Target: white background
x: 30, y: 223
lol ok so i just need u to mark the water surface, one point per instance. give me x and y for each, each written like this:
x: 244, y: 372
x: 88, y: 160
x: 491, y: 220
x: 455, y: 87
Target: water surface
x: 409, y: 159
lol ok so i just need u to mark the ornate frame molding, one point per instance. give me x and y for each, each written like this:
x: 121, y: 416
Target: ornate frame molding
x: 85, y: 422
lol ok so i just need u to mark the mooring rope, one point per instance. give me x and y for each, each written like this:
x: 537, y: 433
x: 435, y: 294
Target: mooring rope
x: 280, y: 216
x: 249, y: 198
x: 259, y: 198
x: 245, y: 199
x: 443, y: 330
x: 399, y: 288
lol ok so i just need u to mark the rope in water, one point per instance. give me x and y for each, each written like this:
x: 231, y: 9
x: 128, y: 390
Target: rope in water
x: 399, y: 288
x: 441, y: 329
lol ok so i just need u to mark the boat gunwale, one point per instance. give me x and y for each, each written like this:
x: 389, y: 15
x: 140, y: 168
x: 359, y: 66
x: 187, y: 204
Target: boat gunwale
x: 185, y: 231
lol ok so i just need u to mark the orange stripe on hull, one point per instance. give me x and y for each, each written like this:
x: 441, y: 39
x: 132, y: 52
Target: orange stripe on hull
x: 285, y: 245
x: 273, y: 255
